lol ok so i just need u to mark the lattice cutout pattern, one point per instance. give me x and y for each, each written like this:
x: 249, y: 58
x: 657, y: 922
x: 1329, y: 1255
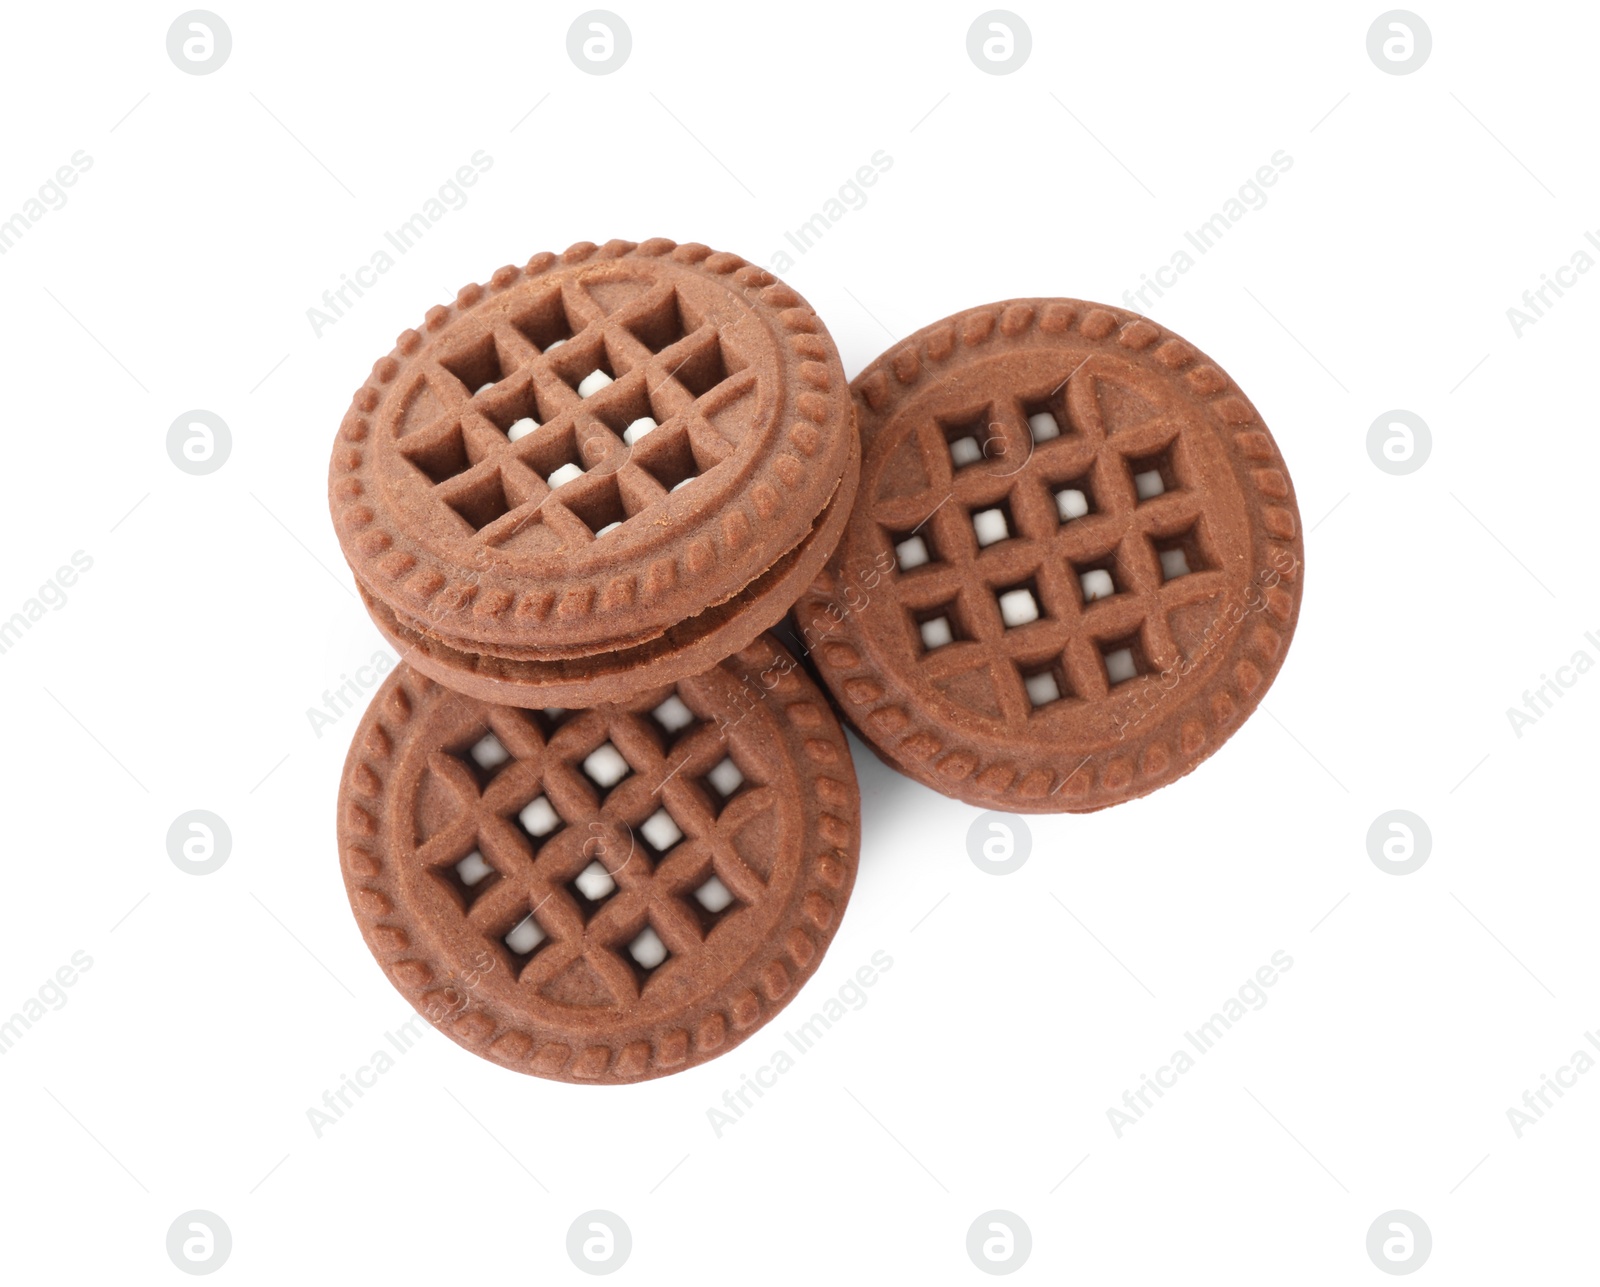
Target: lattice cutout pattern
x: 534, y: 451
x: 1110, y: 563
x: 555, y: 870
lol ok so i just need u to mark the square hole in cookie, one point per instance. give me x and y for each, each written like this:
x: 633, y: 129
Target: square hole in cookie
x: 703, y: 369
x: 488, y: 752
x: 938, y: 627
x: 553, y: 455
x: 713, y: 895
x: 1043, y: 426
x: 442, y: 458
x: 668, y: 457
x: 524, y: 937
x: 561, y: 475
x: 470, y: 878
x: 1181, y: 553
x: 647, y: 949
x: 1153, y: 475
x: 516, y: 411
x: 1045, y: 418
x: 936, y: 633
x: 993, y: 524
x: 965, y: 450
x: 914, y: 549
x: 1098, y: 579
x: 1019, y: 605
x: 710, y: 900
x: 477, y: 366
x: 585, y: 367
x: 539, y: 818
x: 544, y: 323
x: 1074, y: 499
x: 591, y: 887
x: 594, y: 882
x: 659, y: 326
x: 673, y: 714
x: 625, y: 407
x: 912, y: 552
x: 969, y: 438
x: 660, y: 831
x: 598, y: 502
x: 481, y: 501
x: 592, y: 383
x: 1124, y: 659
x: 605, y: 767
x: 473, y: 869
x: 1044, y: 682
x: 1071, y: 503
x: 725, y: 778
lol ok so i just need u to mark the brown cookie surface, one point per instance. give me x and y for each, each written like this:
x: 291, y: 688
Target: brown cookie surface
x: 602, y: 895
x: 684, y: 649
x: 590, y: 449
x: 1075, y: 562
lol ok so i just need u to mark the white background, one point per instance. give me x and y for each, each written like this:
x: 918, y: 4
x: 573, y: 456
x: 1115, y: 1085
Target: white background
x: 1019, y: 1008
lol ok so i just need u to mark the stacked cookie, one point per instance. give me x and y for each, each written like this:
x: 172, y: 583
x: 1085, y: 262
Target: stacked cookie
x: 603, y: 471
x: 598, y: 826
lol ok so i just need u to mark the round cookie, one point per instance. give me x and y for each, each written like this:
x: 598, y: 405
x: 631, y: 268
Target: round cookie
x: 602, y: 895
x: 1075, y: 562
x: 686, y: 649
x: 590, y: 450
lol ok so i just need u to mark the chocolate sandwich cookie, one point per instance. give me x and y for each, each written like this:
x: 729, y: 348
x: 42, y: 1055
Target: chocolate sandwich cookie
x: 608, y: 894
x: 590, y: 451
x: 1074, y: 565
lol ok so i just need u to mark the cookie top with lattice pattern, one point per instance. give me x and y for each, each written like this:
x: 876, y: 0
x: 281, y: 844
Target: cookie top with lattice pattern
x: 1075, y: 561
x: 602, y: 895
x: 589, y: 449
